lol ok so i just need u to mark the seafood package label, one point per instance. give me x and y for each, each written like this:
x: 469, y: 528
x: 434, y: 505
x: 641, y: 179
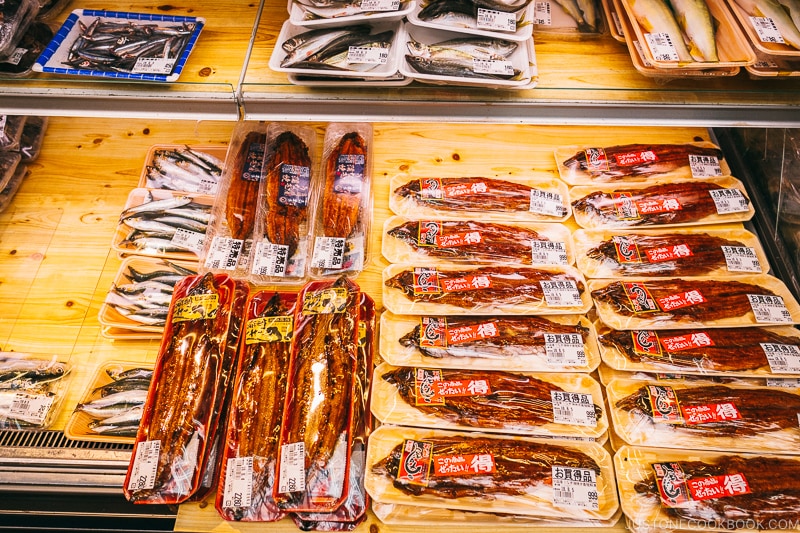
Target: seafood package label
x: 269, y: 329
x: 565, y: 349
x: 380, y: 5
x: 575, y: 487
x: 415, y: 462
x: 418, y: 465
x: 224, y: 253
x: 196, y: 307
x: 31, y: 408
x: 783, y: 358
x: 292, y: 477
x: 769, y: 309
x: 549, y: 253
x: 705, y: 166
x: 238, y: 490
x: 676, y: 489
x: 558, y: 293
x: 270, y: 259
x: 661, y: 46
x: 729, y: 201
x: 294, y: 184
x: 190, y: 240
x: 741, y: 259
x: 145, y: 463
x: 328, y: 253
x: 573, y: 408
x: 767, y: 30
x: 547, y: 203
x: 489, y: 19
x: 542, y: 14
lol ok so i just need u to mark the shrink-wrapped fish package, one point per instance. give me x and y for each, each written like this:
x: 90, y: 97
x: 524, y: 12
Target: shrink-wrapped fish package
x: 705, y: 416
x: 15, y: 17
x: 8, y: 192
x: 608, y: 374
x: 9, y: 163
x: 193, y: 377
x: 500, y: 474
x: 661, y: 204
x: 520, y: 403
x: 319, y: 14
x: 638, y: 303
x: 30, y: 144
x: 574, y: 21
x: 19, y: 64
x: 32, y: 389
x: 11, y: 128
x: 556, y: 343
x: 407, y: 240
x: 340, y: 243
x: 186, y: 168
x: 480, y: 18
x: 669, y: 253
x: 677, y: 490
x: 772, y: 27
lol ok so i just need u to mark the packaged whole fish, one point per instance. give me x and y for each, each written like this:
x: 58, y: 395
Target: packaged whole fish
x: 115, y: 408
x: 466, y: 57
x: 21, y: 372
x: 786, y: 21
x: 331, y: 9
x: 583, y: 12
x: 32, y: 387
x: 184, y: 169
x: 332, y: 49
x: 459, y: 13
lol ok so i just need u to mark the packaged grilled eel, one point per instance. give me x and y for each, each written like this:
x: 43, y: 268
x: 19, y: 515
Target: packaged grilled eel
x: 608, y: 374
x: 661, y: 203
x: 313, y: 471
x: 748, y: 352
x: 677, y: 303
x: 511, y: 198
x: 32, y: 389
x: 588, y: 165
x: 490, y: 473
x: 285, y: 206
x: 494, y: 401
x: 244, y: 490
x: 194, y: 370
x: 484, y: 290
x: 229, y: 238
x: 687, y: 490
x: 705, y: 416
x: 344, y: 210
x: 557, y: 343
x: 669, y: 253
x: 441, y: 241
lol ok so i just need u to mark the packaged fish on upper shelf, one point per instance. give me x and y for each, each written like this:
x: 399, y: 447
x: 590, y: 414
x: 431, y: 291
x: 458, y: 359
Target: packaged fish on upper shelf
x: 13, y: 185
x: 194, y: 169
x: 569, y: 19
x: 613, y: 20
x: 478, y: 18
x: 772, y: 26
x: 19, y: 64
x: 318, y: 13
x: 771, y: 66
x: 32, y: 388
x: 15, y: 17
x: 9, y: 162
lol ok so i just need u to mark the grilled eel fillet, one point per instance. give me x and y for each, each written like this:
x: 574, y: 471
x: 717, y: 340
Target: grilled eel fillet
x: 631, y: 258
x: 730, y: 349
x: 514, y: 400
x: 762, y: 410
x: 694, y: 198
x: 509, y: 285
x: 242, y: 199
x: 519, y: 466
x: 341, y: 204
x: 319, y: 411
x: 515, y: 336
x: 497, y: 241
x: 640, y: 159
x: 724, y: 299
x: 285, y: 214
x: 774, y: 485
x: 475, y: 194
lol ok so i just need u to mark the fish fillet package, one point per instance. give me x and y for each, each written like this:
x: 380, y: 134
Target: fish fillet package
x: 556, y: 343
x: 569, y: 20
x: 772, y: 27
x: 194, y: 372
x: 704, y: 416
x: 32, y: 389
x: 494, y: 401
x: 677, y: 303
x: 481, y: 472
x: 510, y: 199
x: 707, y: 491
x: 442, y: 241
x: 707, y: 252
x: 340, y: 241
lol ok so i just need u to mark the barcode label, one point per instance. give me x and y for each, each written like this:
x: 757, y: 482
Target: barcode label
x: 784, y: 383
x: 380, y: 5
x: 741, y: 259
x: 270, y: 259
x: 729, y: 201
x: 573, y: 408
x: 16, y: 56
x: 564, y: 349
x: 32, y: 408
x: 143, y: 471
x: 617, y: 23
x: 575, y: 487
x: 328, y: 253
x: 704, y: 166
x: 547, y: 203
x: 765, y: 63
x: 373, y: 55
x: 548, y: 253
x: 561, y: 293
x: 642, y: 56
x: 782, y: 358
x: 661, y: 46
x: 208, y: 186
x: 767, y: 30
x: 293, y: 468
x: 496, y: 20
x: 500, y: 67
x: 541, y: 14
x: 153, y: 65
x: 769, y: 309
x: 224, y: 253
x: 238, y: 491
x: 191, y: 240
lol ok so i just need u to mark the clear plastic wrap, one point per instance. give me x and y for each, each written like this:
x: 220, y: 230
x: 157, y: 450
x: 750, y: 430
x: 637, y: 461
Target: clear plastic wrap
x: 314, y: 13
x: 468, y: 241
x: 482, y: 18
x: 30, y: 144
x: 662, y: 204
x: 490, y: 289
x: 194, y: 371
x: 186, y: 168
x: 478, y: 472
x: 495, y: 342
x: 9, y: 161
x: 660, y: 253
x: 344, y: 211
x: 705, y: 417
x: 19, y: 63
x: 638, y: 303
x: 577, y: 21
x: 32, y: 388
x: 511, y: 198
x: 15, y: 17
x: 566, y: 405
x: 608, y: 374
x: 771, y: 27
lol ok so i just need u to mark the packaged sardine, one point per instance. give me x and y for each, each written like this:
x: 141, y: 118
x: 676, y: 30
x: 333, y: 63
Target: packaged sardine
x: 112, y: 405
x: 193, y: 376
x: 30, y: 144
x: 678, y: 490
x: 680, y: 303
x: 476, y: 18
x: 482, y: 472
x: 321, y: 13
x: 662, y: 204
x: 558, y: 343
x: 340, y: 243
x: 771, y: 27
x: 162, y: 223
x: 286, y: 203
x: 642, y: 162
x: 185, y: 168
x: 15, y: 17
x: 10, y: 190
x: 579, y: 20
x: 32, y: 389
x: 708, y: 252
x: 313, y: 470
x: 494, y: 401
x: 229, y: 238
x: 510, y: 199
x: 484, y: 290
x: 443, y: 241
x: 705, y: 416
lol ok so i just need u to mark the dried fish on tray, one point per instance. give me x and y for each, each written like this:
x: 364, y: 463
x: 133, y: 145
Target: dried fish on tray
x: 181, y: 167
x: 32, y: 387
x: 569, y: 20
x: 552, y: 405
x: 496, y: 342
x: 319, y: 13
x: 694, y: 302
x: 468, y: 241
x: 661, y: 253
x: 675, y: 203
x: 193, y: 374
x: 705, y: 417
x: 481, y: 18
x: 479, y: 472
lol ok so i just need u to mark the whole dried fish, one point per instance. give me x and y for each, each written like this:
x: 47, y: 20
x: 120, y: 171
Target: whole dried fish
x: 242, y: 195
x: 345, y: 182
x: 184, y: 169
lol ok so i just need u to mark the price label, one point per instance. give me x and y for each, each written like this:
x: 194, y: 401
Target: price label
x: 496, y: 20
x: 564, y: 349
x: 208, y: 186
x: 380, y: 5
x: 784, y: 383
x: 145, y: 462
x: 547, y: 203
x: 499, y: 67
x: 573, y: 408
x: 782, y: 358
x: 293, y: 468
x: 575, y: 487
x: 765, y: 63
x: 661, y: 46
x: 153, y: 65
x: 224, y: 253
x: 642, y: 56
x: 32, y: 408
x: 769, y: 309
x: 542, y: 14
x: 617, y: 23
x: 729, y: 201
x: 238, y: 491
x: 191, y: 240
x: 548, y: 253
x: 328, y: 253
x: 704, y: 166
x: 270, y: 259
x: 741, y: 259
x: 372, y: 55
x: 561, y: 293
x: 16, y: 56
x: 767, y: 30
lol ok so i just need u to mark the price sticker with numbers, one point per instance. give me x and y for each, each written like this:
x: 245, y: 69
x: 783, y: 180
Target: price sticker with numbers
x: 380, y: 5
x: 499, y: 67
x: 573, y: 408
x: 153, y: 65
x: 704, y: 166
x: 646, y: 62
x: 729, y: 201
x: 496, y: 20
x: 548, y: 253
x: 769, y: 309
x: 561, y: 293
x: 661, y: 46
x: 145, y: 463
x: 372, y: 55
x: 575, y: 487
x: 547, y: 203
x: 224, y: 253
x: 782, y: 358
x: 238, y: 490
x: 292, y: 476
x: 30, y: 408
x: 741, y: 259
x: 328, y: 253
x: 542, y: 15
x: 191, y: 240
x: 767, y: 30
x: 270, y: 259
x: 565, y: 349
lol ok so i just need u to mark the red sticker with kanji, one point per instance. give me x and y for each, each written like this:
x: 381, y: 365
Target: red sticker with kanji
x: 664, y: 404
x: 653, y: 207
x: 430, y: 188
x: 625, y: 205
x: 681, y: 299
x: 627, y: 250
x: 668, y: 253
x: 596, y: 159
x: 712, y: 487
x: 451, y: 388
x: 645, y: 341
x: 425, y: 386
x: 630, y: 159
x: 466, y: 283
x: 426, y: 281
x: 462, y: 334
x: 709, y: 413
x: 432, y: 331
x: 641, y: 299
x: 429, y: 232
x: 688, y: 341
x: 671, y: 482
x: 415, y: 462
x: 463, y: 189
x: 454, y: 240
x: 471, y: 464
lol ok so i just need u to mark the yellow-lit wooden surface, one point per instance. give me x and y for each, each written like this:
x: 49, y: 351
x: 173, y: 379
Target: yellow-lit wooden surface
x: 56, y: 264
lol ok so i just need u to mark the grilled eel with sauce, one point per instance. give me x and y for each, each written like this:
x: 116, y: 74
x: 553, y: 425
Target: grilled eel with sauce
x: 242, y: 200
x: 345, y: 175
x: 519, y: 467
